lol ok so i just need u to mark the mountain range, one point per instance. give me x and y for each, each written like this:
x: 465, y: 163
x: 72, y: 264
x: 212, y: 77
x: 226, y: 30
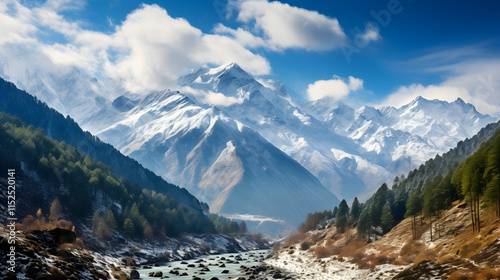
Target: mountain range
x: 263, y: 154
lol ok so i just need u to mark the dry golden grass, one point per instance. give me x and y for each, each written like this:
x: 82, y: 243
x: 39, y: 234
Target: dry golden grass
x: 454, y: 240
x: 428, y: 254
x: 446, y: 258
x: 488, y: 274
x: 460, y: 275
x: 295, y: 238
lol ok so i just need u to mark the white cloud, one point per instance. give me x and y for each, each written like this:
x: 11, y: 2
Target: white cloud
x: 15, y: 28
x: 371, y: 33
x: 406, y: 94
x: 471, y: 73
x: 64, y: 5
x: 285, y: 26
x: 156, y: 49
x: 355, y: 83
x: 69, y: 55
x: 244, y: 37
x: 337, y: 88
x: 212, y: 98
x: 253, y: 218
x: 149, y: 50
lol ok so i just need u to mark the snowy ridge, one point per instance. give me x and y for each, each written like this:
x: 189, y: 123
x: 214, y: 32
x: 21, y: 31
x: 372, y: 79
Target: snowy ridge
x: 269, y: 109
x: 269, y: 147
x: 221, y: 161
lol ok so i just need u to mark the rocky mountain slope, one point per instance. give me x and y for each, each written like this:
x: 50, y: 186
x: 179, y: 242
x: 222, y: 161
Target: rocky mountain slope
x: 454, y: 252
x: 30, y: 110
x: 203, y: 147
x: 220, y: 160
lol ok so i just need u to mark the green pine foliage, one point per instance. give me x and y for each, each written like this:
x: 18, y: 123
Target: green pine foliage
x: 225, y: 225
x: 341, y: 218
x: 471, y: 171
x: 81, y: 180
x: 386, y: 220
x: 355, y: 210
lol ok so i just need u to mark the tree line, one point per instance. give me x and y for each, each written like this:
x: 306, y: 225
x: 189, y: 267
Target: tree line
x: 82, y: 182
x: 426, y: 192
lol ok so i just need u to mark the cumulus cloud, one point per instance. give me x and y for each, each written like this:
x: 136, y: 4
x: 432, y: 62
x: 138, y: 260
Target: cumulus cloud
x: 337, y: 88
x: 244, y: 37
x: 285, y: 26
x: 371, y: 33
x: 149, y: 50
x: 15, y: 28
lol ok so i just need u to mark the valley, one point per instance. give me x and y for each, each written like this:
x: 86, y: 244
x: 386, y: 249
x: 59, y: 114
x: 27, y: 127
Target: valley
x: 249, y: 140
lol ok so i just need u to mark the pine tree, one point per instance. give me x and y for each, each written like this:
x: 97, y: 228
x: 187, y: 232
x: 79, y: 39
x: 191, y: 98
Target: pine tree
x: 128, y: 228
x: 413, y: 207
x: 429, y: 203
x: 492, y: 176
x: 473, y: 186
x: 233, y: 227
x: 243, y: 227
x: 387, y: 220
x: 341, y: 218
x: 363, y: 223
x: 355, y: 210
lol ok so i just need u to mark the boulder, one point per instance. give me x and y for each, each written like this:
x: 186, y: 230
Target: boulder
x: 277, y: 276
x: 134, y: 274
x: 156, y: 274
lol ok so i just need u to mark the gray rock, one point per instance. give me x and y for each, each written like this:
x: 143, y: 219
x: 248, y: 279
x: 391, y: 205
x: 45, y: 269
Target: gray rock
x: 135, y: 274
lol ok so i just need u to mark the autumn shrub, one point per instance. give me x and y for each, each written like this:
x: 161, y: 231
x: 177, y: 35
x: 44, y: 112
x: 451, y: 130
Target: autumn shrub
x: 295, y: 238
x: 64, y: 224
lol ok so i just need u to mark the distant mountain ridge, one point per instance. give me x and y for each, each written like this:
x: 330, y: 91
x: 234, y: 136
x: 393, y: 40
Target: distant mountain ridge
x: 202, y: 147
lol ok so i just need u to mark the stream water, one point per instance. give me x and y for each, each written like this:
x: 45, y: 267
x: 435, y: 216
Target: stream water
x: 206, y: 267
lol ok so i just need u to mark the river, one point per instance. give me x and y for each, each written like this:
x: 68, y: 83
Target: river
x: 206, y: 267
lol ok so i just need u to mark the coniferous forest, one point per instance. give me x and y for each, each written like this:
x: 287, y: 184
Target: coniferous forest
x: 82, y: 181
x: 427, y: 191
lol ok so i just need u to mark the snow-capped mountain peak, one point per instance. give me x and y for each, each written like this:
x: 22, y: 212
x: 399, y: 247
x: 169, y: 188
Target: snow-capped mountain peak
x: 269, y: 147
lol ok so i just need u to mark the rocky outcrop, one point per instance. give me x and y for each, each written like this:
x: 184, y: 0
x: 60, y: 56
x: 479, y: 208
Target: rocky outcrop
x: 52, y: 254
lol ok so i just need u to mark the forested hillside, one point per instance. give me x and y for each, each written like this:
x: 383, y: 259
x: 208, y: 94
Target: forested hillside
x: 81, y: 179
x: 470, y: 171
x: 55, y: 175
x: 34, y: 112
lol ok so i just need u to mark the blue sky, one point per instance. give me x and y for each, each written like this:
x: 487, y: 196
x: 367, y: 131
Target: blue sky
x: 438, y: 49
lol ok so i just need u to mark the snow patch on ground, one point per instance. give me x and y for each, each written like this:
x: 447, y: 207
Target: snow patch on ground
x: 306, y: 266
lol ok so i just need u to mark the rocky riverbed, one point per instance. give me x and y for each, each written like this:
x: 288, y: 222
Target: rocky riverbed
x: 240, y: 266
